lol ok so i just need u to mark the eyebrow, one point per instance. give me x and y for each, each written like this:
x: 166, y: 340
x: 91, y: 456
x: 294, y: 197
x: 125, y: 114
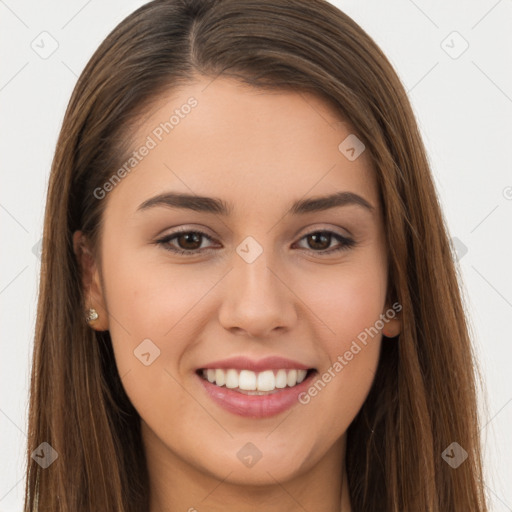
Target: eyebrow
x: 220, y: 207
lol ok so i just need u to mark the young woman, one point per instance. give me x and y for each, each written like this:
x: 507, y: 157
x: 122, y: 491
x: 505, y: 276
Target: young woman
x: 248, y: 298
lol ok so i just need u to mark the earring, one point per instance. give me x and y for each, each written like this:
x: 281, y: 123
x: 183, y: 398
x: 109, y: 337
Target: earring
x: 91, y: 315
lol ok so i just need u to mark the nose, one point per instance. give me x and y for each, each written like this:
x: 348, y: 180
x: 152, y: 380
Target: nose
x: 257, y: 299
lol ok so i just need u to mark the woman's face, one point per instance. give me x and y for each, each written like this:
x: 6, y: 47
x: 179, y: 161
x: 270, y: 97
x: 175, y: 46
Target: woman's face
x: 262, y: 280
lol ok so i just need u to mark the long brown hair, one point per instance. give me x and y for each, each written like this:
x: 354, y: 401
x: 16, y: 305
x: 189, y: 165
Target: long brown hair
x: 424, y: 396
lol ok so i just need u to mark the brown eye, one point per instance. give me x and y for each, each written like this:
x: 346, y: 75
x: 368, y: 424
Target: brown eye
x: 190, y: 241
x: 187, y: 243
x: 320, y: 241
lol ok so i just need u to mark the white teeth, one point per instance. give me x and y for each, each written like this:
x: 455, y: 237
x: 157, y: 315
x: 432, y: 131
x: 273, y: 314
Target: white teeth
x: 266, y: 381
x: 301, y: 375
x: 281, y: 379
x: 231, y: 379
x: 246, y: 380
x: 291, y: 378
x: 220, y: 377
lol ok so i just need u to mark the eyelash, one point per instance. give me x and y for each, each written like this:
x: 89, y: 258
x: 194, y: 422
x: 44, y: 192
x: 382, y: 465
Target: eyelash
x: 346, y: 243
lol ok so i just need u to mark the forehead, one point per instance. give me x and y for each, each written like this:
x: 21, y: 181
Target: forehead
x: 255, y: 148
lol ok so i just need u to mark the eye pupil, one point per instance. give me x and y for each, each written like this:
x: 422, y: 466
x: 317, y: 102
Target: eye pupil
x: 196, y: 240
x: 323, y: 237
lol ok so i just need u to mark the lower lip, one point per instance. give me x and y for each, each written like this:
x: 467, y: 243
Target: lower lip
x: 256, y: 406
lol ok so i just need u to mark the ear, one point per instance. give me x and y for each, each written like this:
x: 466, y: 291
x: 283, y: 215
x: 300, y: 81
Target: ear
x: 393, y: 326
x: 91, y: 282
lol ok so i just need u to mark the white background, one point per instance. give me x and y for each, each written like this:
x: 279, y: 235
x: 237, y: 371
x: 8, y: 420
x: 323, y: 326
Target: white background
x: 463, y: 106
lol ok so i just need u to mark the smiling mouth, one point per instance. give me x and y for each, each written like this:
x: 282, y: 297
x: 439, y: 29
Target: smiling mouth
x: 248, y: 382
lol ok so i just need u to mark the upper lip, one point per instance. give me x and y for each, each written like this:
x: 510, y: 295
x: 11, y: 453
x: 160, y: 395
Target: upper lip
x: 267, y: 363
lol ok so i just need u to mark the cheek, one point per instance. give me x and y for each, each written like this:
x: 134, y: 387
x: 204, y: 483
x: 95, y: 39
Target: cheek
x: 348, y: 301
x: 150, y: 298
x: 156, y: 302
x: 350, y: 305
x: 150, y: 308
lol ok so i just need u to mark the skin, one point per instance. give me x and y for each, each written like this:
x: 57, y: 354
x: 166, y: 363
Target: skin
x: 260, y: 151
